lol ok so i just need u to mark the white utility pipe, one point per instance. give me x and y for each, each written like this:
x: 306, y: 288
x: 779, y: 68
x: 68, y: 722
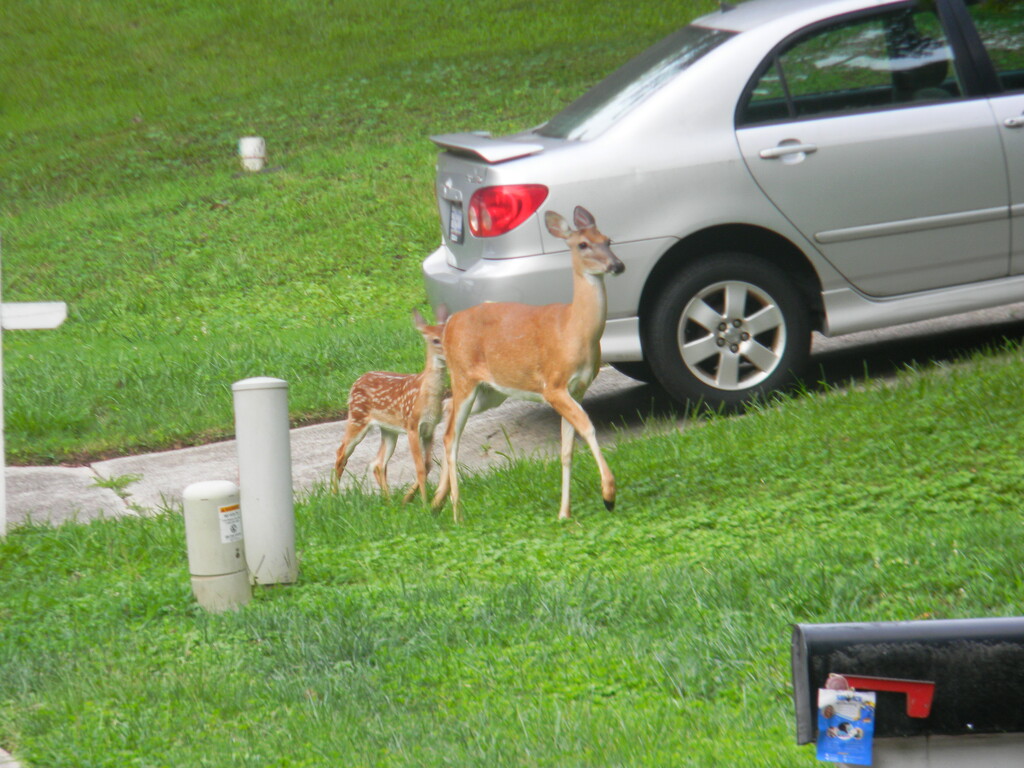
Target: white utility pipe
x: 265, y: 478
x: 253, y: 152
x: 216, y: 548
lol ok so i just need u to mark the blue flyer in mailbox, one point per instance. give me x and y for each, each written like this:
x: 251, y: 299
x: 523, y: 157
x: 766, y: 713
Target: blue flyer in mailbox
x: 846, y: 725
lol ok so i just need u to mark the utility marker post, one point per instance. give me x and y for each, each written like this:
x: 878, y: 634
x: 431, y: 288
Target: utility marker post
x: 21, y: 316
x: 265, y: 479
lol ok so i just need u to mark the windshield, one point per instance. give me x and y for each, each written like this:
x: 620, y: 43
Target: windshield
x: 631, y: 83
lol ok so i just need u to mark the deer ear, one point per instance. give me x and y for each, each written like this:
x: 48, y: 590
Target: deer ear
x: 441, y: 314
x: 582, y: 218
x: 417, y: 319
x: 557, y: 225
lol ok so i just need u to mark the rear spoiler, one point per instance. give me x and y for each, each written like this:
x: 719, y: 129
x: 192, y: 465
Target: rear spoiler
x: 485, y: 147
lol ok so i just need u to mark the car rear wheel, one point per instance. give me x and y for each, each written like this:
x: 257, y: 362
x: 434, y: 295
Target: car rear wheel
x: 639, y: 370
x: 726, y: 330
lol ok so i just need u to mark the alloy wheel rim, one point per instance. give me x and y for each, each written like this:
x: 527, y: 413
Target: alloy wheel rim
x: 732, y: 335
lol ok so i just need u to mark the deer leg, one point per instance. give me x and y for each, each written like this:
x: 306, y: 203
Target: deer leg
x: 442, y: 476
x: 573, y: 412
x: 380, y: 466
x: 428, y: 452
x: 568, y: 433
x: 355, y: 431
x: 442, y: 479
x: 462, y: 406
x: 420, y: 453
x: 461, y: 416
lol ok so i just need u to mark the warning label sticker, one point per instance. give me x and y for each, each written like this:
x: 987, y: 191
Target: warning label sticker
x: 230, y: 523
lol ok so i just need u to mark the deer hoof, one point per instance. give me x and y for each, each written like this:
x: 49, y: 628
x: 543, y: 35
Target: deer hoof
x: 609, y: 504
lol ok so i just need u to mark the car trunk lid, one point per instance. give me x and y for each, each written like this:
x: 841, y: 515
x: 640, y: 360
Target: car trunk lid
x: 486, y: 147
x: 469, y: 162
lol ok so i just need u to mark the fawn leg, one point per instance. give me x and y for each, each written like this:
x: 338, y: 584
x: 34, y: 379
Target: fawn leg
x: 420, y: 455
x: 380, y: 466
x: 355, y: 431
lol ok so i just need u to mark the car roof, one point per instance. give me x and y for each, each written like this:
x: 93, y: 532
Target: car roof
x: 755, y: 13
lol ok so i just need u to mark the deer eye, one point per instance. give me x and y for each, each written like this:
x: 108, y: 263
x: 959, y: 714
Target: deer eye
x: 584, y: 245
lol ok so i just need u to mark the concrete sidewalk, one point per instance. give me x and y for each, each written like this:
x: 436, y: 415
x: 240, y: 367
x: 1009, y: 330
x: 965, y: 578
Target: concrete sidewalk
x: 618, y: 406
x: 151, y: 482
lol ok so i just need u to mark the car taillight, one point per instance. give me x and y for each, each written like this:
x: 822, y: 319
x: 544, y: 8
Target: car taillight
x: 494, y: 211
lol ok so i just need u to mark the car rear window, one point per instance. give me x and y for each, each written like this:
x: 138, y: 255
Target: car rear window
x: 630, y: 84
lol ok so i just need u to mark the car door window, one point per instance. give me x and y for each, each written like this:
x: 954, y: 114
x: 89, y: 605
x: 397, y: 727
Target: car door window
x: 858, y: 64
x: 1001, y: 26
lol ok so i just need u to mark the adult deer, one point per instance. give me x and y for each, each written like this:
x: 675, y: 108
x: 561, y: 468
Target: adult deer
x: 398, y: 402
x: 544, y: 353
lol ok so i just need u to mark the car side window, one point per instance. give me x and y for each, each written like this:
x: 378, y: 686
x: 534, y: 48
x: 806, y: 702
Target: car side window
x: 1001, y: 26
x: 864, y: 63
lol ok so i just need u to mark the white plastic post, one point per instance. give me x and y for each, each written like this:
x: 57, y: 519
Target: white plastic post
x: 253, y: 152
x: 265, y: 479
x: 21, y: 316
x: 216, y: 546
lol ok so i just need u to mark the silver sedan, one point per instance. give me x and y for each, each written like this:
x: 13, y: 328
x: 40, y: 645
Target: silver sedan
x: 771, y: 169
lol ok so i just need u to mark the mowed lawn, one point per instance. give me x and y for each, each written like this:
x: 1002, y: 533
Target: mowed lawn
x: 122, y: 192
x: 657, y: 634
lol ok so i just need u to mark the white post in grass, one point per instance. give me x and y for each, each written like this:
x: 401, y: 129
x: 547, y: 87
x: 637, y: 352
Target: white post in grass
x: 265, y: 479
x: 18, y: 316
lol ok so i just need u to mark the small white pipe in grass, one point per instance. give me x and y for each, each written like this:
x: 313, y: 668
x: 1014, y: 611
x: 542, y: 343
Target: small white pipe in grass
x: 214, y: 536
x: 253, y: 152
x: 265, y: 479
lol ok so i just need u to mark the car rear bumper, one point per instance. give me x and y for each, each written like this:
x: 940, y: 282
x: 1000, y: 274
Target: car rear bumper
x: 539, y: 279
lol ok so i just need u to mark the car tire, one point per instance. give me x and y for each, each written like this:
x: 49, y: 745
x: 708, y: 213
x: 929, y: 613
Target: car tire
x: 638, y: 370
x: 728, y: 329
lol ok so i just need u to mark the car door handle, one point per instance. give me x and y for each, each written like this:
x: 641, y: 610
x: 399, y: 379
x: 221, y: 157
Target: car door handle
x: 787, y: 149
x: 1014, y: 122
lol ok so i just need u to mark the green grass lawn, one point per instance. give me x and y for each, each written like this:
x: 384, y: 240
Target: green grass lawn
x: 122, y: 194
x: 654, y: 635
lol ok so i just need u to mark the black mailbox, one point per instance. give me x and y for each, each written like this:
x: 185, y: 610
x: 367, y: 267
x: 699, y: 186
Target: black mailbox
x: 976, y: 665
